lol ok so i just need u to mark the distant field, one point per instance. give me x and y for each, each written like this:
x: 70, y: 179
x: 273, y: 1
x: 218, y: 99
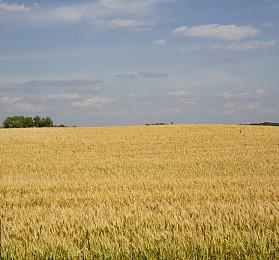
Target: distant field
x: 150, y: 192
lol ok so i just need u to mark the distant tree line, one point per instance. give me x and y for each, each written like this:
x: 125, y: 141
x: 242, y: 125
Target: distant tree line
x: 159, y: 124
x: 26, y: 122
x: 264, y: 124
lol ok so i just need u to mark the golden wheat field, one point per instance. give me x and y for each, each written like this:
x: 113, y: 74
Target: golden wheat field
x: 146, y: 192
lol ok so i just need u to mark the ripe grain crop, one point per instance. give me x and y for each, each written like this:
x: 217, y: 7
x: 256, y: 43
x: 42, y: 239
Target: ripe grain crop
x: 147, y: 192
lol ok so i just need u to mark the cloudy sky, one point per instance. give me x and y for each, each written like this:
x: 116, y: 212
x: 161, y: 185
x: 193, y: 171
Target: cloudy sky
x: 114, y: 62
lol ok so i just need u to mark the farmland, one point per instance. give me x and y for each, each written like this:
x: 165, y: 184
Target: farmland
x: 145, y: 192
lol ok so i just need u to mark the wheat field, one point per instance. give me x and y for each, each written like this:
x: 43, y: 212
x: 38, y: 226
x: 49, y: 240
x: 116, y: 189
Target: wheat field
x: 145, y: 192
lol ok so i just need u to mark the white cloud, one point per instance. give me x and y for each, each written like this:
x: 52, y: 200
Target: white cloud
x: 173, y: 109
x: 17, y: 8
x: 9, y: 101
x: 194, y: 79
x: 130, y: 5
x: 63, y: 97
x: 160, y: 43
x: 223, y: 32
x: 253, y: 105
x: 101, y: 13
x: 240, y: 107
x: 37, y: 5
x: 150, y: 75
x: 185, y: 96
x: 45, y: 91
x: 208, y: 78
x: 129, y: 23
x: 235, y: 106
x: 244, y: 102
x: 16, y: 104
x: 245, y: 46
x: 109, y: 112
x: 255, y: 94
x: 96, y: 102
x: 268, y: 25
x: 181, y: 93
x: 67, y: 14
x: 153, y: 75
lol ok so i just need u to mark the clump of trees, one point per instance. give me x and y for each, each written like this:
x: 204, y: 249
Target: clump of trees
x: 264, y: 124
x: 159, y: 124
x: 26, y: 122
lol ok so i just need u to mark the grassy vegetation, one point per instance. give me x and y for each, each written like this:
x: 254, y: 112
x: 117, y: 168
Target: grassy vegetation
x: 156, y: 192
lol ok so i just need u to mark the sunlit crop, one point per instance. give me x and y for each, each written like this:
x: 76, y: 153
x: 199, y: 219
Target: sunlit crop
x: 150, y: 192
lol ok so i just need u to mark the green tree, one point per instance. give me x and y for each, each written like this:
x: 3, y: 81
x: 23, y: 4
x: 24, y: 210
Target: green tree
x: 27, y: 122
x: 37, y: 121
x: 14, y: 122
x: 47, y: 122
x: 24, y: 122
x: 8, y: 122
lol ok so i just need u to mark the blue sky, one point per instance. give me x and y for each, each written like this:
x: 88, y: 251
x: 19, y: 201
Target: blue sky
x: 115, y: 62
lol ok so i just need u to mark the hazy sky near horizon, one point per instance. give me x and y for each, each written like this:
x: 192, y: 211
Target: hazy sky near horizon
x: 114, y: 62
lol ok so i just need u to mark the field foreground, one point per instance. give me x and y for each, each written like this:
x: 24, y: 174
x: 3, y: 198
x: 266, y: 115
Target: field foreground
x: 156, y: 192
